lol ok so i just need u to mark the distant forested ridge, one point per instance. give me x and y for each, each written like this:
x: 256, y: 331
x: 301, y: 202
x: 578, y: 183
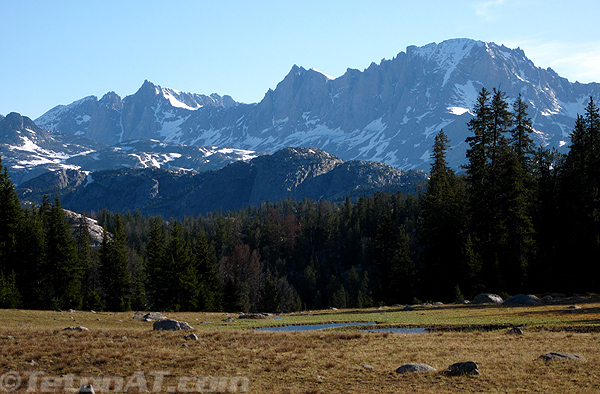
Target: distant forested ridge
x: 520, y: 219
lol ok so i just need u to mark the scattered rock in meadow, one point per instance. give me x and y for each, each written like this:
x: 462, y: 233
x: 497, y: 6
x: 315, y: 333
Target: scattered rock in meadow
x: 229, y: 320
x: 415, y: 367
x: 154, y: 316
x: 369, y: 367
x: 333, y: 308
x: 253, y: 316
x: 557, y: 356
x: 574, y: 307
x: 79, y: 328
x: 487, y: 298
x: 87, y: 389
x: 523, y: 299
x: 171, y: 325
x: 408, y: 308
x: 548, y: 299
x: 191, y: 337
x: 463, y: 302
x: 515, y: 331
x: 463, y: 368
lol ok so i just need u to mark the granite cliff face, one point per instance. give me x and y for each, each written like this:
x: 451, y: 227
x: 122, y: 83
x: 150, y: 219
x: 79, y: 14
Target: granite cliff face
x: 295, y: 173
x: 389, y: 112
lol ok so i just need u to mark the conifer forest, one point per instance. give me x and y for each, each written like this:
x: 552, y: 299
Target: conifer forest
x: 517, y: 218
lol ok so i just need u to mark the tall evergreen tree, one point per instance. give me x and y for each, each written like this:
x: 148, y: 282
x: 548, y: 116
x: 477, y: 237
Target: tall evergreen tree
x: 580, y: 201
x: 63, y: 271
x: 210, y: 282
x: 10, y: 221
x: 157, y: 266
x: 113, y: 266
x: 443, y: 227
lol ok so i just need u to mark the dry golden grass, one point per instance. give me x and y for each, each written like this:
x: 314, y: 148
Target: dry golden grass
x: 317, y: 361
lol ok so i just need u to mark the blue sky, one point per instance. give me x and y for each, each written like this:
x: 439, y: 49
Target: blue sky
x: 55, y: 52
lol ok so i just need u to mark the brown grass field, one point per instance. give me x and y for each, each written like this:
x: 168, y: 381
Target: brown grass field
x: 324, y: 361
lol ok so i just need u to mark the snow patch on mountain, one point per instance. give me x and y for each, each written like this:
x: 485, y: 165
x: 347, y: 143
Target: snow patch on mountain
x: 448, y: 54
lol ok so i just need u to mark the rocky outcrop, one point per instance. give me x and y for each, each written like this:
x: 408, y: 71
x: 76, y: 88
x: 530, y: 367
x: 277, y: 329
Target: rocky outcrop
x: 463, y: 368
x: 295, y: 173
x: 171, y: 325
x: 523, y: 299
x: 406, y: 368
x: 487, y: 298
x: 559, y: 356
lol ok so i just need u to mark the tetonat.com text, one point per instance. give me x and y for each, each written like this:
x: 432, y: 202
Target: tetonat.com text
x: 153, y: 382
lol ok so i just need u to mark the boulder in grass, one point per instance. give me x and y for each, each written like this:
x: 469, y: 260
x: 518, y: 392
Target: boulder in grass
x: 253, y: 316
x: 150, y: 316
x: 515, y: 331
x: 487, y: 298
x: 463, y: 368
x: 523, y: 299
x: 171, y: 325
x: 558, y: 356
x: 80, y: 328
x: 87, y: 389
x: 406, y: 368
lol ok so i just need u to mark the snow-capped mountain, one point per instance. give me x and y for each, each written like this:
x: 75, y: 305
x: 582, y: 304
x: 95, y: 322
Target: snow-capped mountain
x: 295, y: 173
x: 28, y: 151
x: 389, y: 112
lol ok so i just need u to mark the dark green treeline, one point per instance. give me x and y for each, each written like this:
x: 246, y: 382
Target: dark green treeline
x: 520, y: 219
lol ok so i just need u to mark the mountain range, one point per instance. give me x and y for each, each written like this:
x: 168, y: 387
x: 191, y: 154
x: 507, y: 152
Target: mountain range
x: 295, y: 173
x: 387, y: 113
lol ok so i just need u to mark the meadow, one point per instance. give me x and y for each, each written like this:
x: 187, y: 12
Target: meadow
x: 38, y: 354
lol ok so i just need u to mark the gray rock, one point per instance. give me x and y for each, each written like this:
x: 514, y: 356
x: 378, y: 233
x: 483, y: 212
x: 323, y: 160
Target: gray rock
x: 487, y: 298
x: 253, y: 316
x: 80, y: 328
x: 463, y: 368
x: 523, y: 299
x: 515, y: 331
x: 408, y: 308
x: 154, y: 316
x: 561, y: 356
x: 574, y: 307
x: 463, y: 302
x: 87, y: 389
x: 171, y: 325
x: 191, y: 337
x: 415, y: 368
x: 369, y: 367
x: 229, y: 320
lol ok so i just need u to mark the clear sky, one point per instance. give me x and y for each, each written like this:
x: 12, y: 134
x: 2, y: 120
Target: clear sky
x: 56, y: 52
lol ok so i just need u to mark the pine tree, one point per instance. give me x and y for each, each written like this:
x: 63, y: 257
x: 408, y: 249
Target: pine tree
x: 113, y: 266
x: 10, y: 222
x: 579, y: 200
x: 442, y: 226
x: 394, y: 267
x: 62, y: 269
x: 32, y: 252
x: 517, y: 184
x: 210, y: 282
x: 182, y: 271
x: 156, y: 266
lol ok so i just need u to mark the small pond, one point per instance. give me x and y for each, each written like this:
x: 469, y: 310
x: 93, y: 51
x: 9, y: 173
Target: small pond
x: 310, y: 327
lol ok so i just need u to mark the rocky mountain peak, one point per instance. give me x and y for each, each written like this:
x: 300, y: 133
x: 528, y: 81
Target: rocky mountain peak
x: 389, y: 112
